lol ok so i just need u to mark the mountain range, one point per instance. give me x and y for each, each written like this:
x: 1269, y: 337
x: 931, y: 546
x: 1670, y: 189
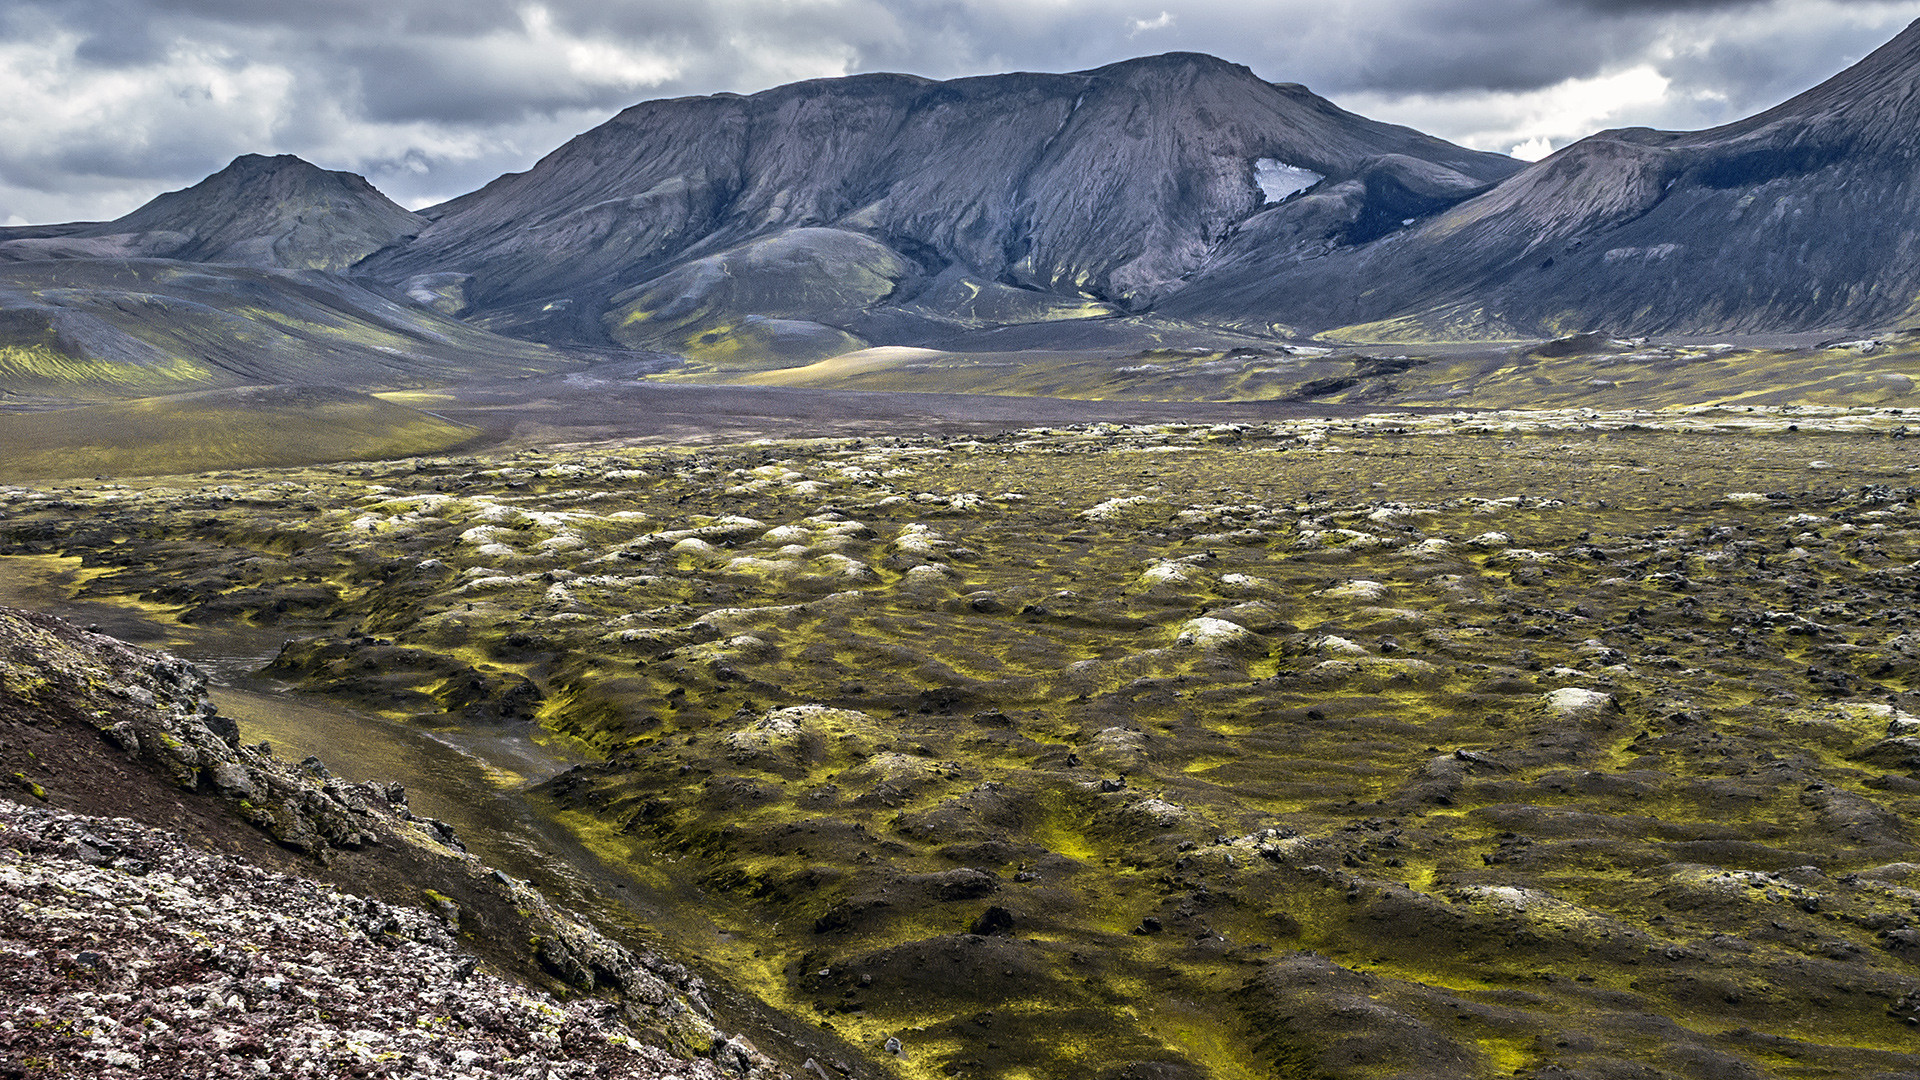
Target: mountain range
x: 1094, y: 208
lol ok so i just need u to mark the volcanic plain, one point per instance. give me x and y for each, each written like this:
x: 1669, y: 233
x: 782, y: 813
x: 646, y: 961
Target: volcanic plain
x: 1573, y: 743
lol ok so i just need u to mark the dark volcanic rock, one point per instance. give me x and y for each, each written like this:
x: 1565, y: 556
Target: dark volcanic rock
x: 1782, y: 221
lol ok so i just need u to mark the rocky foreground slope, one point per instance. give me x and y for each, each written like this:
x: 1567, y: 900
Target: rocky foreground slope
x: 132, y: 954
x: 204, y: 948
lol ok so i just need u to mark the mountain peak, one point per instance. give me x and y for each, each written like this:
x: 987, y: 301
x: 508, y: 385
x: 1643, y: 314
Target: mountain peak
x: 263, y: 162
x: 279, y: 211
x: 1797, y: 218
x: 1172, y: 60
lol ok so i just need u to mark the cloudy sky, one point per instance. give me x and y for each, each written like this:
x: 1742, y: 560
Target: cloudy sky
x: 105, y: 103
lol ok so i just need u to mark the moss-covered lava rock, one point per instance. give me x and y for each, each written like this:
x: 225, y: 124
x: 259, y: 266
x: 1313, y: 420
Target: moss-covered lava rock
x: 1471, y: 745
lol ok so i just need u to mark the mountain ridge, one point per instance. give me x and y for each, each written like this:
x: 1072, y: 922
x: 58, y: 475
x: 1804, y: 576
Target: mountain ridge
x: 1143, y: 203
x: 1770, y: 223
x: 1104, y: 186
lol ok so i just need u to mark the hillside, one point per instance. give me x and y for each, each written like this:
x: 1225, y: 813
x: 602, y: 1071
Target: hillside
x: 181, y: 904
x: 235, y: 281
x: 258, y: 211
x: 116, y: 328
x: 247, y: 426
x: 1801, y: 218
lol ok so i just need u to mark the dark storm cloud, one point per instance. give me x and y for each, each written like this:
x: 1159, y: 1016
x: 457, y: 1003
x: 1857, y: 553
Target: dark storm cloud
x: 434, y: 97
x: 418, y: 82
x: 1639, y: 7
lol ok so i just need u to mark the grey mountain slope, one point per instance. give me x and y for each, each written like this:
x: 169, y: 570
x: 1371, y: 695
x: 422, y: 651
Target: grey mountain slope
x: 1800, y: 218
x: 232, y: 282
x: 1107, y: 185
x: 98, y: 328
x: 258, y: 211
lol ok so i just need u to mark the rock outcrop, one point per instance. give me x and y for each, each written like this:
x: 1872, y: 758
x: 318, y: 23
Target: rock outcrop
x: 133, y: 955
x: 70, y: 698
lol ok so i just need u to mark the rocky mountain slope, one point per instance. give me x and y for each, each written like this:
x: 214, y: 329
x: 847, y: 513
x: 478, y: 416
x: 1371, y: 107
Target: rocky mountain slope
x: 888, y: 207
x: 258, y: 211
x: 1800, y: 218
x: 219, y: 943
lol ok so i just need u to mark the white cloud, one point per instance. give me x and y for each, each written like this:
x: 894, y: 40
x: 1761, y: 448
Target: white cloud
x: 90, y: 137
x: 1532, y: 149
x: 597, y: 62
x: 1158, y: 22
x: 82, y: 141
x: 542, y: 59
x: 1530, y: 123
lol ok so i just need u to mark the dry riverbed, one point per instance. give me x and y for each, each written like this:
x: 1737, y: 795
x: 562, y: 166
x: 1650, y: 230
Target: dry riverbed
x: 1545, y: 744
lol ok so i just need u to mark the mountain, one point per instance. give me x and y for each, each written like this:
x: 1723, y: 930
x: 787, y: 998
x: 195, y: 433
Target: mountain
x: 258, y: 211
x: 813, y: 218
x: 234, y: 281
x: 1802, y: 218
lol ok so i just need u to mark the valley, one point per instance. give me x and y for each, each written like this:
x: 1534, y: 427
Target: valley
x: 1137, y: 573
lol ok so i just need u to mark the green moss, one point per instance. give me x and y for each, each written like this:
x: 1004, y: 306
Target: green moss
x: 1000, y: 693
x: 42, y: 368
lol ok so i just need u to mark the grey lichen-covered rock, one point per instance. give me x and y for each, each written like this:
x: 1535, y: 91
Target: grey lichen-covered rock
x: 138, y: 956
x: 153, y: 708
